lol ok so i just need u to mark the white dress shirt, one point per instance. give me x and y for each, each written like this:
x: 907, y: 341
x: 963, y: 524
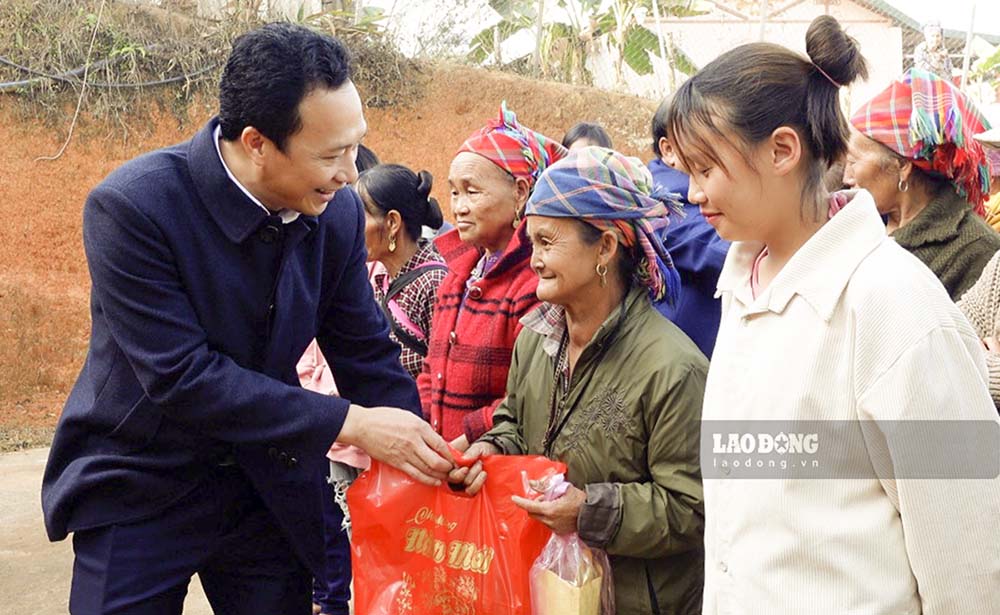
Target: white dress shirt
x: 286, y: 215
x: 853, y: 328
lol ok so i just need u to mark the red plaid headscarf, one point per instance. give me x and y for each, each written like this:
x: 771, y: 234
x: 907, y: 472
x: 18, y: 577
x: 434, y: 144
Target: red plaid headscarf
x: 930, y: 121
x: 520, y: 151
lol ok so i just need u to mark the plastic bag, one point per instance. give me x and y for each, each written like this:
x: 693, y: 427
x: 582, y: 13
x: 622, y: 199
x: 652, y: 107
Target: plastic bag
x: 569, y: 578
x: 420, y: 550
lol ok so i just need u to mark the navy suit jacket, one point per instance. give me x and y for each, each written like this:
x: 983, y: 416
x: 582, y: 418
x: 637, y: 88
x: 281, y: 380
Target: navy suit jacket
x: 698, y: 254
x: 201, y: 305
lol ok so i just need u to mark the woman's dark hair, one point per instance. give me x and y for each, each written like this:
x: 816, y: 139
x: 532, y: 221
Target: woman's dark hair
x: 626, y: 263
x: 589, y: 131
x: 388, y: 187
x: 270, y: 71
x: 366, y: 159
x: 754, y: 89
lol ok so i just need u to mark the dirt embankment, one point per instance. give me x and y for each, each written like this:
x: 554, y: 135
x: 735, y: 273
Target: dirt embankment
x: 44, y: 285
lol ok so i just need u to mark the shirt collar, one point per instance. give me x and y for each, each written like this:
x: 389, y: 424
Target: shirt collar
x: 549, y: 321
x: 821, y: 268
x: 286, y: 215
x: 461, y: 257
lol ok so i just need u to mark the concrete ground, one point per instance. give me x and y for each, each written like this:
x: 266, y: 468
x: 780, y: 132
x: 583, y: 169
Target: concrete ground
x: 35, y: 573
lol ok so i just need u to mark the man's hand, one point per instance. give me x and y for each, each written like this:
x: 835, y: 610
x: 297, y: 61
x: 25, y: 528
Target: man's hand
x: 473, y: 477
x: 560, y: 515
x: 400, y: 439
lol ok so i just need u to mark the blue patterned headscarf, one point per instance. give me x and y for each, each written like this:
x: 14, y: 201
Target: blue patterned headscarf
x: 611, y: 191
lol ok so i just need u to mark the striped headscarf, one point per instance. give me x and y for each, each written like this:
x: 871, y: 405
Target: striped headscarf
x: 520, y: 151
x: 611, y: 191
x: 927, y: 119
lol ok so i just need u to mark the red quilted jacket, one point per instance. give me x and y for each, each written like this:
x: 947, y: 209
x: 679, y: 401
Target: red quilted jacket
x: 468, y: 357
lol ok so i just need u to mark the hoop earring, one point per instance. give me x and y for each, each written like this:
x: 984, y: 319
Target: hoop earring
x: 392, y: 243
x: 602, y: 272
x: 517, y: 219
x: 902, y: 185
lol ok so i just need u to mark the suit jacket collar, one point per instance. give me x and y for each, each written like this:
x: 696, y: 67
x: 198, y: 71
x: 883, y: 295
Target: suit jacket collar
x: 232, y: 210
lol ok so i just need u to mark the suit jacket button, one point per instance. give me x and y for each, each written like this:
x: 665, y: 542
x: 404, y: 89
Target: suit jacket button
x: 272, y: 453
x: 269, y: 234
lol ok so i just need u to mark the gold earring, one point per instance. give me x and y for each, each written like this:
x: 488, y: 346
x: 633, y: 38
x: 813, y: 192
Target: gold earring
x: 902, y: 185
x: 392, y: 242
x: 602, y: 272
x: 517, y: 218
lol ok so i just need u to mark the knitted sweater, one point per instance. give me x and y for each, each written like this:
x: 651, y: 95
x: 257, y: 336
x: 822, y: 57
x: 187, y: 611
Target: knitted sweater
x: 981, y: 305
x: 951, y: 240
x: 472, y: 336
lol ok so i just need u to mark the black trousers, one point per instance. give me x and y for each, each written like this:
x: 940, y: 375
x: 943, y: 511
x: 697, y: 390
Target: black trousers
x: 221, y: 531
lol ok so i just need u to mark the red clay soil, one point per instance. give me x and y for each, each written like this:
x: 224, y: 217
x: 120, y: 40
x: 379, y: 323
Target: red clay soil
x: 44, y: 285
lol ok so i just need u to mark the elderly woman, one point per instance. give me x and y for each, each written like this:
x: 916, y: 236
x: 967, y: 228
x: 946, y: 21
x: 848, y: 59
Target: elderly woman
x: 600, y: 381
x: 991, y: 145
x: 914, y: 151
x: 981, y: 303
x: 489, y: 284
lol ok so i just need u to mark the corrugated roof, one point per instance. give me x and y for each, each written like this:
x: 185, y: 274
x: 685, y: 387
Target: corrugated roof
x: 902, y: 19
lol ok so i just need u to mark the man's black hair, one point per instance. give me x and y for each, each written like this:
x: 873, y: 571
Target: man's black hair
x: 270, y: 71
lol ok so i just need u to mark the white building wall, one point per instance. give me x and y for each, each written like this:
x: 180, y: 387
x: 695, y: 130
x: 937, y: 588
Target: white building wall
x: 706, y: 37
x: 273, y: 9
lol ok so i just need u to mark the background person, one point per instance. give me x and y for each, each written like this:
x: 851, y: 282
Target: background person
x: 586, y: 134
x: 931, y: 55
x: 991, y: 146
x: 697, y: 250
x: 489, y: 285
x: 927, y: 174
x: 397, y: 205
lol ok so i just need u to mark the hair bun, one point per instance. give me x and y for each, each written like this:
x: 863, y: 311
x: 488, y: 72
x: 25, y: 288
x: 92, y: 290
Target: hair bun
x: 425, y: 181
x: 837, y: 55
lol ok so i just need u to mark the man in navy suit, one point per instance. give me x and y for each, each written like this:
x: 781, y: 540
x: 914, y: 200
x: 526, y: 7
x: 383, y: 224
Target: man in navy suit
x: 187, y: 445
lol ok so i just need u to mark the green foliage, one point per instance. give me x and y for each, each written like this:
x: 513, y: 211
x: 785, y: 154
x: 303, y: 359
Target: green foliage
x: 989, y: 68
x: 639, y: 43
x: 563, y: 47
x: 483, y: 43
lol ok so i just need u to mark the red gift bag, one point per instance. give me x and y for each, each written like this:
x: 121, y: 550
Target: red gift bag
x: 419, y: 550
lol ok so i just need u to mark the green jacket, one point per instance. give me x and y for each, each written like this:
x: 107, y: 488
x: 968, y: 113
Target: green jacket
x: 951, y: 240
x: 628, y: 429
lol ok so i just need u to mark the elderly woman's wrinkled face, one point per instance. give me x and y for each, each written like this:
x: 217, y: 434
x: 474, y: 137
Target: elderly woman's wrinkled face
x: 484, y: 201
x: 565, y: 263
x: 868, y: 166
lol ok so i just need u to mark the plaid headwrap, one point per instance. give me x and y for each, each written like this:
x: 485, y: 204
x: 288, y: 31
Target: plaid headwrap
x: 611, y: 191
x: 930, y: 121
x: 520, y: 151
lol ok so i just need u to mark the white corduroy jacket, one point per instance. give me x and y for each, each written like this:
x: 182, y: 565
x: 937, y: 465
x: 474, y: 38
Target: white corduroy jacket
x: 853, y: 328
